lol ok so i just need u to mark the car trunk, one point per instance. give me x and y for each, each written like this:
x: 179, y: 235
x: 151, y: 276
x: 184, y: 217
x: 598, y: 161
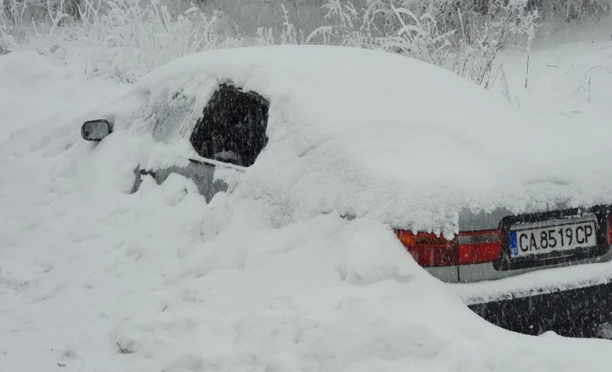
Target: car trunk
x: 536, y: 241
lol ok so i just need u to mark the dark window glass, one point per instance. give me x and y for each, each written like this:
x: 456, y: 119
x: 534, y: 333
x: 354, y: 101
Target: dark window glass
x: 233, y: 127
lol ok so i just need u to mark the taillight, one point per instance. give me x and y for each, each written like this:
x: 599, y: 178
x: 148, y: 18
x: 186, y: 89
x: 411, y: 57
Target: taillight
x: 479, y: 246
x: 431, y: 250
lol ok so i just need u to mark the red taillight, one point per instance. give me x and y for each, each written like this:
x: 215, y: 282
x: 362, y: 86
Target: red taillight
x: 430, y: 250
x: 479, y: 246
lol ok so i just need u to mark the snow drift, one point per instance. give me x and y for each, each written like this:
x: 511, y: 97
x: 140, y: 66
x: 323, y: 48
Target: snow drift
x: 95, y: 279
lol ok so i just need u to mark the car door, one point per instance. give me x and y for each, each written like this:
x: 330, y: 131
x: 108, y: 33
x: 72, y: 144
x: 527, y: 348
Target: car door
x: 227, y: 136
x: 202, y: 173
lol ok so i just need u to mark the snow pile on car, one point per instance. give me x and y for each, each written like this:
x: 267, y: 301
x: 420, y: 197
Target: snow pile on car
x: 372, y: 134
x: 95, y: 279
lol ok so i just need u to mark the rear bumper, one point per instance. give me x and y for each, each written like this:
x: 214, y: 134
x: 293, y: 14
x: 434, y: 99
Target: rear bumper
x: 574, y: 313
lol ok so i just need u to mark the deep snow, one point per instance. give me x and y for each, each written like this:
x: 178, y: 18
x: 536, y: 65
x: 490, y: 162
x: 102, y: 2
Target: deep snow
x: 374, y: 134
x: 94, y: 279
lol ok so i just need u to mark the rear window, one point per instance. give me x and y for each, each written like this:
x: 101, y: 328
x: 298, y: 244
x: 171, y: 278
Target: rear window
x: 233, y: 126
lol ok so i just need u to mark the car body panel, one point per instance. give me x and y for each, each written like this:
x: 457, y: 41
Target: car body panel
x: 447, y: 274
x: 487, y: 271
x: 550, y: 280
x: 204, y: 174
x: 503, y: 219
x: 576, y: 312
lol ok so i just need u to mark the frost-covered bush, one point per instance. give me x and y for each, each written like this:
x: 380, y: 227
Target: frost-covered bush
x: 139, y: 38
x: 463, y: 36
x: 136, y: 36
x: 484, y: 31
x: 11, y: 24
x: 250, y: 15
x: 346, y: 25
x: 572, y: 10
x: 139, y: 35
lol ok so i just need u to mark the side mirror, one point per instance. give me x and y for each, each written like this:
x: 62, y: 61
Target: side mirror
x: 96, y: 130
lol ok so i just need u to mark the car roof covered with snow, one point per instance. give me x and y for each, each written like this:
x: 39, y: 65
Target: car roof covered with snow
x: 374, y: 134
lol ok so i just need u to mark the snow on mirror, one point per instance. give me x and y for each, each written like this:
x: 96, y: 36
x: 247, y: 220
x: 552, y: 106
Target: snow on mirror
x: 96, y: 130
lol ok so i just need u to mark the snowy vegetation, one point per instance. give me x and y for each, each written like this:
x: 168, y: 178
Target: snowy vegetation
x: 136, y: 36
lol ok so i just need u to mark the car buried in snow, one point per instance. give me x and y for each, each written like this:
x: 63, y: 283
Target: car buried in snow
x: 513, y: 212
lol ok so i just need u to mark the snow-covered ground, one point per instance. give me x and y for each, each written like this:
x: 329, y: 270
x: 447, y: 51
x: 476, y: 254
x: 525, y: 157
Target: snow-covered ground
x: 93, y: 279
x: 570, y: 73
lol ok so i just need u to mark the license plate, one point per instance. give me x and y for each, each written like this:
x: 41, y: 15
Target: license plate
x: 552, y: 236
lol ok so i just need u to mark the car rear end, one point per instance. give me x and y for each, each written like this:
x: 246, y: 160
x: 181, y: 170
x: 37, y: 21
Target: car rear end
x: 528, y: 273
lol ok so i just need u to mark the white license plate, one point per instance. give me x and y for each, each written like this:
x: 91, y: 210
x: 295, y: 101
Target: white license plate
x: 552, y: 236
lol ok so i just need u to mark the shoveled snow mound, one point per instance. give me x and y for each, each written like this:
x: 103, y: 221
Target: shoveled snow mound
x: 373, y: 134
x: 94, y: 279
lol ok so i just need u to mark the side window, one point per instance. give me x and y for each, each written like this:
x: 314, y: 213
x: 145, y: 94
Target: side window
x: 233, y: 127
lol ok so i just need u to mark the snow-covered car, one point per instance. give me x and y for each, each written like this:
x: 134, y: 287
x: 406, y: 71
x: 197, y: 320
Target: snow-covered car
x: 512, y: 211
